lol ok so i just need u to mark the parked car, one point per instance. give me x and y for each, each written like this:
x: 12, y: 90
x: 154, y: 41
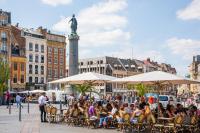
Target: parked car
x: 167, y: 99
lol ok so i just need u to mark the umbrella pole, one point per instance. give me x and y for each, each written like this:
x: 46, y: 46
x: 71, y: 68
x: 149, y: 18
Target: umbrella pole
x: 158, y: 88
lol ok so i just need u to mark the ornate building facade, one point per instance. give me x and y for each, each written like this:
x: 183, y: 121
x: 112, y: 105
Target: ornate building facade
x: 118, y: 67
x: 194, y: 71
x: 36, y: 51
x: 18, y: 60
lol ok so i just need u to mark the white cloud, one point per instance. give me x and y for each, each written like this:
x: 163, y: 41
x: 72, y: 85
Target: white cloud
x: 56, y: 2
x: 100, y: 24
x: 192, y: 11
x: 101, y: 29
x: 184, y: 47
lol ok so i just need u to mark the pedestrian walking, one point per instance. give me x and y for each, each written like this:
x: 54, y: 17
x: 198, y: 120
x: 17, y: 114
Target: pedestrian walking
x: 7, y: 98
x: 42, y: 102
x: 19, y: 100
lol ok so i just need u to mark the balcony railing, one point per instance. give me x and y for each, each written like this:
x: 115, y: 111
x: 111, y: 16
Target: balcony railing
x: 3, y: 51
x: 3, y: 39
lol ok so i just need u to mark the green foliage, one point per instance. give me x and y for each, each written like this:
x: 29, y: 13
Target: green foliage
x: 4, y: 75
x: 140, y: 88
x: 84, y: 88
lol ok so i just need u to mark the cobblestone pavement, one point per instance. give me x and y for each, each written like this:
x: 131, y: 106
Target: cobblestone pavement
x: 9, y: 123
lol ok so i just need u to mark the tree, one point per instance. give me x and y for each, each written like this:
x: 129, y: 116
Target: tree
x: 140, y: 88
x: 84, y: 88
x: 4, y: 75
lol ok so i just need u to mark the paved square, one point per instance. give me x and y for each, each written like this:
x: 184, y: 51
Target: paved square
x: 9, y: 123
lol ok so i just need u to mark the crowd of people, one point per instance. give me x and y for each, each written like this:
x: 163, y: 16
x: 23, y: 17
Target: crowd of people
x: 104, y: 111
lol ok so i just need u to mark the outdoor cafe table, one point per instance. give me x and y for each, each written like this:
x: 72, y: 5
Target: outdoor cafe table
x: 165, y: 119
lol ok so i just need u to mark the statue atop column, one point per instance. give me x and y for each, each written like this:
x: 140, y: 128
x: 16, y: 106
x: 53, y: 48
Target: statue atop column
x: 73, y: 25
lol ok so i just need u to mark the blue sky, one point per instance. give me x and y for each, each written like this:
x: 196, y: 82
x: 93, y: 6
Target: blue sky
x: 166, y: 31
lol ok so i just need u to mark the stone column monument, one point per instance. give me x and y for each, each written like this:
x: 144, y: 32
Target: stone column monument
x: 73, y: 54
x: 73, y: 50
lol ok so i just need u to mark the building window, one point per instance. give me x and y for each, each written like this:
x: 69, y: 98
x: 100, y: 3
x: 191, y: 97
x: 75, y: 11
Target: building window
x: 22, y: 67
x: 36, y: 48
x: 42, y: 58
x: 42, y: 69
x: 49, y: 59
x: 55, y: 73
x: 36, y: 69
x: 30, y: 58
x: 42, y: 48
x: 36, y: 80
x: 22, y: 78
x: 61, y: 51
x: 49, y: 72
x: 42, y: 80
x: 30, y: 46
x: 3, y: 35
x: 15, y: 66
x: 30, y: 79
x: 4, y: 46
x: 61, y: 72
x: 36, y: 58
x: 55, y: 60
x: 55, y: 50
x: 50, y: 50
x: 15, y: 78
x: 30, y: 69
x: 61, y: 60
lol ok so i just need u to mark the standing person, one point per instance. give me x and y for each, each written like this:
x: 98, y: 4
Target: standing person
x: 18, y: 100
x: 71, y: 100
x: 7, y: 98
x: 42, y: 101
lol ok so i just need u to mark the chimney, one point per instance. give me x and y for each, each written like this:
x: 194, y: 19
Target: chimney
x: 39, y: 29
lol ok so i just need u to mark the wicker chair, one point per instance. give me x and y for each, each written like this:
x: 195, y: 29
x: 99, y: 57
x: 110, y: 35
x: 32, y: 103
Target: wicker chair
x: 74, y: 118
x: 51, y: 113
x: 193, y: 126
x: 140, y: 125
x: 176, y: 126
x: 126, y: 125
x: 54, y: 114
x: 156, y: 126
x: 48, y: 112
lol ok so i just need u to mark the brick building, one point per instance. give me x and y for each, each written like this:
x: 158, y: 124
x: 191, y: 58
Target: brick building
x: 5, y: 34
x: 56, y: 54
x: 18, y: 60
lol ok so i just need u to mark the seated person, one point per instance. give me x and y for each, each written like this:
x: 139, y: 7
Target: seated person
x: 113, y: 111
x: 92, y: 112
x: 75, y: 111
x: 161, y: 110
x: 102, y: 114
x: 120, y: 114
x: 170, y: 111
x: 68, y: 111
x: 179, y: 108
x: 120, y: 117
x: 138, y: 111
